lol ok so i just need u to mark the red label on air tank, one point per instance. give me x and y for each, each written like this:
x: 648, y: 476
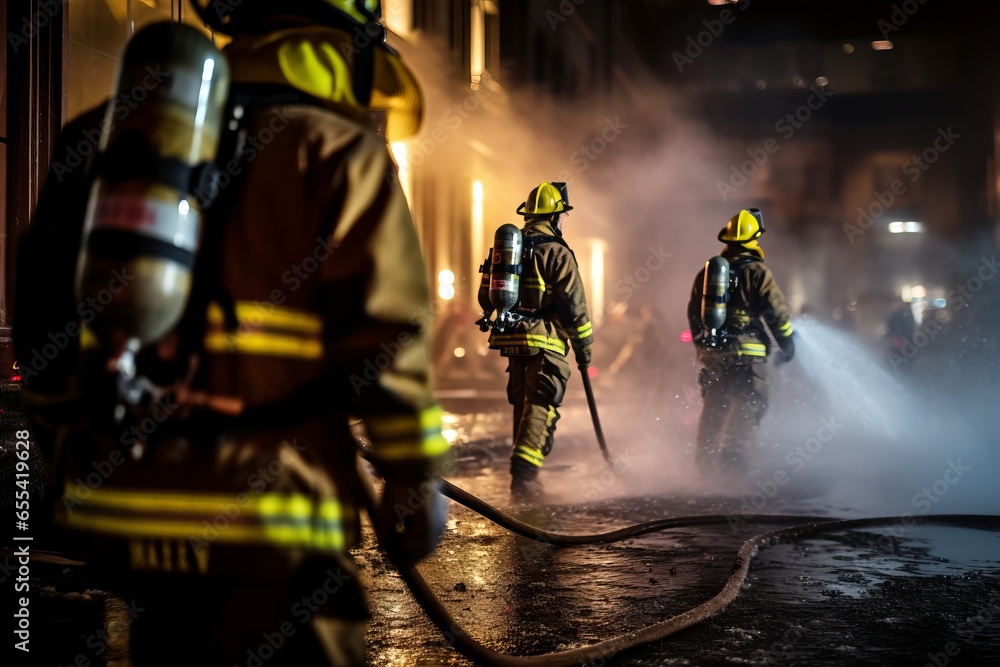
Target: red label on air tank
x: 124, y: 213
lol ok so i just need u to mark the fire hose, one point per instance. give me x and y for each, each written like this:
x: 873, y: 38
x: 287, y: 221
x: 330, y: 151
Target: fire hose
x: 601, y: 651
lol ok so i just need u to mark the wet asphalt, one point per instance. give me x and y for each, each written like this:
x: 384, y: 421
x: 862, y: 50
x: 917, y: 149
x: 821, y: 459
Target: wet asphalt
x: 898, y: 595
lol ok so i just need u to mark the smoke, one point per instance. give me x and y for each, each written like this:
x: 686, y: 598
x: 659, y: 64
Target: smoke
x: 849, y: 428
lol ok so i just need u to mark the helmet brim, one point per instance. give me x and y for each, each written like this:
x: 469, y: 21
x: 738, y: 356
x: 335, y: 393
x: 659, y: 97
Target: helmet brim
x: 522, y: 212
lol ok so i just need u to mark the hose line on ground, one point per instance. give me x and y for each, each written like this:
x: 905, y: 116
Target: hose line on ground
x: 600, y: 652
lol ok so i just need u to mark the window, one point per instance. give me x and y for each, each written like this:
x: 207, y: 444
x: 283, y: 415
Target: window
x: 98, y: 31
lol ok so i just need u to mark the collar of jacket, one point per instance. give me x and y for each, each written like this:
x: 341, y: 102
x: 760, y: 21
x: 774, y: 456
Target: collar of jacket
x: 737, y: 250
x: 543, y: 227
x: 319, y: 61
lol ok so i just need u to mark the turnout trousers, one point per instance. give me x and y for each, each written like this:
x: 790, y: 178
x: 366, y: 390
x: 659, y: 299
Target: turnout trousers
x: 735, y: 399
x: 536, y: 386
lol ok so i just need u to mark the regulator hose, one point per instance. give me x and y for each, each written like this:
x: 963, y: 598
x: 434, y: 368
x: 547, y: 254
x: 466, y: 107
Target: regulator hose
x: 602, y: 651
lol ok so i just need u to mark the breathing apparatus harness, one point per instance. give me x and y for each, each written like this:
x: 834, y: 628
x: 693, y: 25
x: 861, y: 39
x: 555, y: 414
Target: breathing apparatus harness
x: 120, y: 231
x: 721, y: 282
x: 512, y: 251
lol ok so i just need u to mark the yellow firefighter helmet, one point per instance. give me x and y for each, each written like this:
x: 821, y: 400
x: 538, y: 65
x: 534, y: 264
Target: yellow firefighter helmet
x: 546, y: 199
x: 380, y: 80
x: 744, y: 229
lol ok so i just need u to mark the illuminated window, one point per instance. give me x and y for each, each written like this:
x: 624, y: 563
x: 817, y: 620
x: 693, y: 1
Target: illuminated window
x: 484, y: 41
x: 98, y: 31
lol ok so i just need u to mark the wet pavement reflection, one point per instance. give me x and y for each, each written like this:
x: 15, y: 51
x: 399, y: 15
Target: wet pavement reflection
x: 905, y: 596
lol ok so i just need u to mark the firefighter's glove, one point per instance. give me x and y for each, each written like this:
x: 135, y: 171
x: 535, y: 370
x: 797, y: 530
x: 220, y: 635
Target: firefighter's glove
x: 787, y: 350
x: 410, y: 519
x: 583, y: 357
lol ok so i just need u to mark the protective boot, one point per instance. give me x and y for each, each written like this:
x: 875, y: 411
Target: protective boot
x: 524, y: 484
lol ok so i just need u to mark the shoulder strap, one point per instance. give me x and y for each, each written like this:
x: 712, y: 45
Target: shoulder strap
x: 531, y: 242
x: 741, y: 262
x: 245, y: 102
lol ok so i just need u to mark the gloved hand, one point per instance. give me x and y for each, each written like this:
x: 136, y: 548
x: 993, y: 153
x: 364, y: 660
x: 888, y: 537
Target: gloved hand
x: 410, y: 519
x: 787, y: 350
x: 583, y: 357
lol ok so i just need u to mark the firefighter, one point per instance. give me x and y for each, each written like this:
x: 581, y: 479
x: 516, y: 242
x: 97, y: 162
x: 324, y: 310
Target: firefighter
x: 733, y: 380
x: 227, y: 502
x: 554, y: 316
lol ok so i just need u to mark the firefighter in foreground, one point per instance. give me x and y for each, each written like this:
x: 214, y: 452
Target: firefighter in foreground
x: 548, y: 314
x: 732, y: 300
x: 233, y: 490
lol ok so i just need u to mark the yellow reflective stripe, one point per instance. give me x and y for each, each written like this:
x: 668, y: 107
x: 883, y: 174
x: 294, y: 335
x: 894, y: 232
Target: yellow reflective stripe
x: 786, y: 329
x: 752, y: 350
x: 274, y: 505
x: 257, y: 342
x: 531, y: 340
x: 265, y: 329
x: 144, y: 527
x: 286, y: 519
x: 401, y: 437
x: 324, y: 537
x: 434, y: 446
x: 264, y: 314
x: 153, y: 500
x: 589, y: 326
x: 530, y: 454
x: 551, y: 416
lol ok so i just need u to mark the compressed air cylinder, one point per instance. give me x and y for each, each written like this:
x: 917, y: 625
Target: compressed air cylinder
x: 143, y: 226
x: 714, y: 289
x: 505, y: 269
